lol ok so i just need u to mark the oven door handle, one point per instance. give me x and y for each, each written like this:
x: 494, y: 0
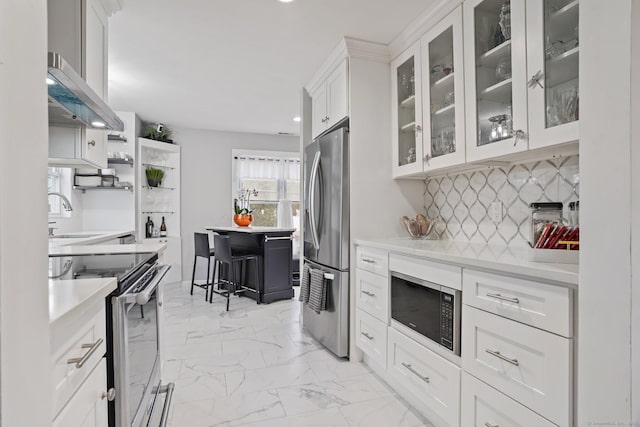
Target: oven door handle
x: 143, y: 297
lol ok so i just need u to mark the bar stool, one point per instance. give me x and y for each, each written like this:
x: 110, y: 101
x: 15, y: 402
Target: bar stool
x: 225, y: 258
x: 202, y: 250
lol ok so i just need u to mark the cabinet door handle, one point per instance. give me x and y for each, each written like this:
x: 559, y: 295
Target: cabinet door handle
x: 368, y: 261
x: 418, y: 128
x: 91, y: 143
x: 414, y: 372
x: 371, y: 294
x: 427, y: 159
x: 503, y: 298
x: 487, y: 424
x: 326, y: 118
x: 110, y: 395
x: 323, y: 120
x: 367, y: 336
x: 519, y: 134
x: 80, y: 361
x: 501, y: 357
x: 535, y: 80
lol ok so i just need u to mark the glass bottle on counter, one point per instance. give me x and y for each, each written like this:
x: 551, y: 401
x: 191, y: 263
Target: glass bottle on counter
x: 149, y: 228
x: 163, y: 229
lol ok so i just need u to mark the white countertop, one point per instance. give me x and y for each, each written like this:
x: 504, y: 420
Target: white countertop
x: 254, y: 230
x: 68, y: 296
x: 504, y: 259
x: 96, y: 236
x: 134, y: 248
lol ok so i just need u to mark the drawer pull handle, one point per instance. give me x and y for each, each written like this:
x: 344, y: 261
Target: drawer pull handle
x: 502, y: 298
x: 371, y: 294
x: 80, y: 361
x: 367, y: 336
x: 368, y: 261
x: 414, y: 372
x: 501, y: 357
x: 490, y: 425
x: 110, y: 394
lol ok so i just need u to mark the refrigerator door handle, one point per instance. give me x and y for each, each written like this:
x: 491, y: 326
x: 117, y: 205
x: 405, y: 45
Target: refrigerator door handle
x: 312, y: 204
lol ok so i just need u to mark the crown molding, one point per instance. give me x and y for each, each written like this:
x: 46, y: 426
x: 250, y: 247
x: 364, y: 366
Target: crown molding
x: 421, y: 25
x: 348, y: 47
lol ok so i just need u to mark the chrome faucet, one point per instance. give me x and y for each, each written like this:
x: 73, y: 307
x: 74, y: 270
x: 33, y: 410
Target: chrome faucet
x: 66, y: 204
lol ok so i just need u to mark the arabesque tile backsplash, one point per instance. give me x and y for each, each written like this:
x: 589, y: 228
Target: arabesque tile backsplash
x: 461, y: 202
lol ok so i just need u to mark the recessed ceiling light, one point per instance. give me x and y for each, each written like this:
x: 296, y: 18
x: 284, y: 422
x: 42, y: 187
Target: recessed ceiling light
x: 98, y: 124
x: 285, y: 1
x: 50, y: 82
x: 296, y: 119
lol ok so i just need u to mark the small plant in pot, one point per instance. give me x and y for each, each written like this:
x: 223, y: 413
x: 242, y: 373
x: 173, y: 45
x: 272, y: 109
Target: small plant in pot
x: 154, y: 177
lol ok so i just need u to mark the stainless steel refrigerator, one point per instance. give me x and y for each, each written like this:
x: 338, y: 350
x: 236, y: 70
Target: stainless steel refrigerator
x: 326, y: 235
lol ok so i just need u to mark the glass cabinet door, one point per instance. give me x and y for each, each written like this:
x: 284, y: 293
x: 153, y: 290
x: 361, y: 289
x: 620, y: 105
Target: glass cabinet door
x: 443, y: 93
x: 407, y: 113
x: 553, y: 51
x: 495, y: 57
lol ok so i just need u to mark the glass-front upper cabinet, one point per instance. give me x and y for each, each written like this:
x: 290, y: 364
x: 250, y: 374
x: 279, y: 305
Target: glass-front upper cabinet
x: 552, y: 54
x: 406, y: 108
x: 443, y: 93
x: 495, y: 78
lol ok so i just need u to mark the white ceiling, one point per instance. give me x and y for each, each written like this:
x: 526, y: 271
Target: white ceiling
x: 235, y: 65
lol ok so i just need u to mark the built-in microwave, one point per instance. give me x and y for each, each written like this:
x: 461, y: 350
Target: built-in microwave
x: 429, y: 309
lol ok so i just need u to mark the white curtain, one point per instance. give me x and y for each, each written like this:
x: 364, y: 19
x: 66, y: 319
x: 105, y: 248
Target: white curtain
x: 257, y: 168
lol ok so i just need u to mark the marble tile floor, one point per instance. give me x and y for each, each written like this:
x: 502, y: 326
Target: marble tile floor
x: 255, y: 366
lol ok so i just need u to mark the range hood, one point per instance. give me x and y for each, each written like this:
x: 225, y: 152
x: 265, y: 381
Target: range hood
x: 72, y: 103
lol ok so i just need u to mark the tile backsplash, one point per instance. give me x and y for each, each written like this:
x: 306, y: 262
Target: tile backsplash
x: 461, y: 202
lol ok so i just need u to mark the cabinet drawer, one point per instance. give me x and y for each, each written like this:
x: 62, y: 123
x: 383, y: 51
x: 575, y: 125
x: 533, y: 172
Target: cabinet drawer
x: 528, y: 364
x: 430, y: 382
x: 373, y: 260
x: 434, y: 272
x: 371, y: 337
x: 87, y: 407
x: 485, y: 406
x: 86, y: 346
x: 537, y: 304
x: 372, y: 294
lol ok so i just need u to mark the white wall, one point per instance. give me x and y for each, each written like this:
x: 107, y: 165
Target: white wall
x: 25, y: 393
x: 604, y: 351
x: 206, y: 178
x: 635, y: 211
x: 69, y: 221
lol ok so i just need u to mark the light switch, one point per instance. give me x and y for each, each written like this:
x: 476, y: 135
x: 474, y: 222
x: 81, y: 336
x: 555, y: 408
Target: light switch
x: 496, y: 212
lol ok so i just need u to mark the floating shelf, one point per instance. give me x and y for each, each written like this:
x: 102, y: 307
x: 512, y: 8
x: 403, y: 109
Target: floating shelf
x: 409, y: 127
x: 149, y: 165
x: 116, y: 138
x: 562, y: 68
x: 102, y: 187
x: 157, y: 212
x: 126, y: 161
x: 410, y: 102
x: 493, y: 57
x: 158, y: 188
x: 443, y: 117
x: 499, y: 92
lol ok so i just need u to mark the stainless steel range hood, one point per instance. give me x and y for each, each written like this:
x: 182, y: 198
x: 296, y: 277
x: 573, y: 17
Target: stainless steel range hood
x: 72, y: 103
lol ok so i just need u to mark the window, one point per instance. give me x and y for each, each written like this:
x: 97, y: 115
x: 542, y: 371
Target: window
x: 277, y: 179
x: 54, y: 181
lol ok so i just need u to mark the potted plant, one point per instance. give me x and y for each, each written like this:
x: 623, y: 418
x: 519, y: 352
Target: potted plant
x: 242, y: 207
x: 157, y: 132
x: 154, y: 176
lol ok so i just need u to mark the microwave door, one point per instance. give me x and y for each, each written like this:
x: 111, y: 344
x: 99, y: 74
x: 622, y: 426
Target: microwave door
x: 416, y: 306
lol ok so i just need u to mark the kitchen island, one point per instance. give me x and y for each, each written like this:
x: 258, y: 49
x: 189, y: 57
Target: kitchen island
x: 274, y: 247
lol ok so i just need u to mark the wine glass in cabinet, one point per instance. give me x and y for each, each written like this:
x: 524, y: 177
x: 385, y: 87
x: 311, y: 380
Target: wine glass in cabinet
x: 495, y: 78
x: 443, y: 93
x: 406, y: 109
x: 552, y: 57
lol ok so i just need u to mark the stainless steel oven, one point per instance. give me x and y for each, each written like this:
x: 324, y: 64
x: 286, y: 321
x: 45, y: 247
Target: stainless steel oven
x: 429, y: 309
x: 136, y: 350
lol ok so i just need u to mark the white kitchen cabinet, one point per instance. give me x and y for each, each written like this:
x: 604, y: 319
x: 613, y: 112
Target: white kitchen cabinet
x: 371, y: 337
x: 88, y: 407
x: 406, y: 113
x: 372, y: 294
x: 484, y: 406
x: 330, y: 100
x: 530, y: 365
x: 495, y: 78
x: 171, y: 255
x: 552, y: 62
x: 443, y: 94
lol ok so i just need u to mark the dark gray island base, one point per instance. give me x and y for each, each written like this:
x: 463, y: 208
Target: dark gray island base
x: 274, y: 246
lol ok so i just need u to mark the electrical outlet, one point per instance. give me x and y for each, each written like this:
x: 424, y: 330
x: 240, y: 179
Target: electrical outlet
x: 496, y: 212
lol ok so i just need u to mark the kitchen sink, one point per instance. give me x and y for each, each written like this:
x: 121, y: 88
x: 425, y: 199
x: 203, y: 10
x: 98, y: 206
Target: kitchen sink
x: 73, y: 236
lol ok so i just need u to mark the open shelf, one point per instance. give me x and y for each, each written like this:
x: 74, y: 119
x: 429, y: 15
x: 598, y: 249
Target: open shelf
x: 84, y: 188
x: 492, y: 58
x: 499, y: 92
x: 158, y: 188
x: 409, y: 127
x: 126, y: 161
x: 158, y: 212
x: 149, y: 165
x: 562, y: 68
x: 410, y: 102
x: 116, y: 138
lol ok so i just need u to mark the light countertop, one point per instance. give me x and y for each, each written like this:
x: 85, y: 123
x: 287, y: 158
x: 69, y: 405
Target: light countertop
x: 94, y: 237
x: 134, y: 248
x: 502, y: 259
x: 68, y: 296
x: 250, y: 230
